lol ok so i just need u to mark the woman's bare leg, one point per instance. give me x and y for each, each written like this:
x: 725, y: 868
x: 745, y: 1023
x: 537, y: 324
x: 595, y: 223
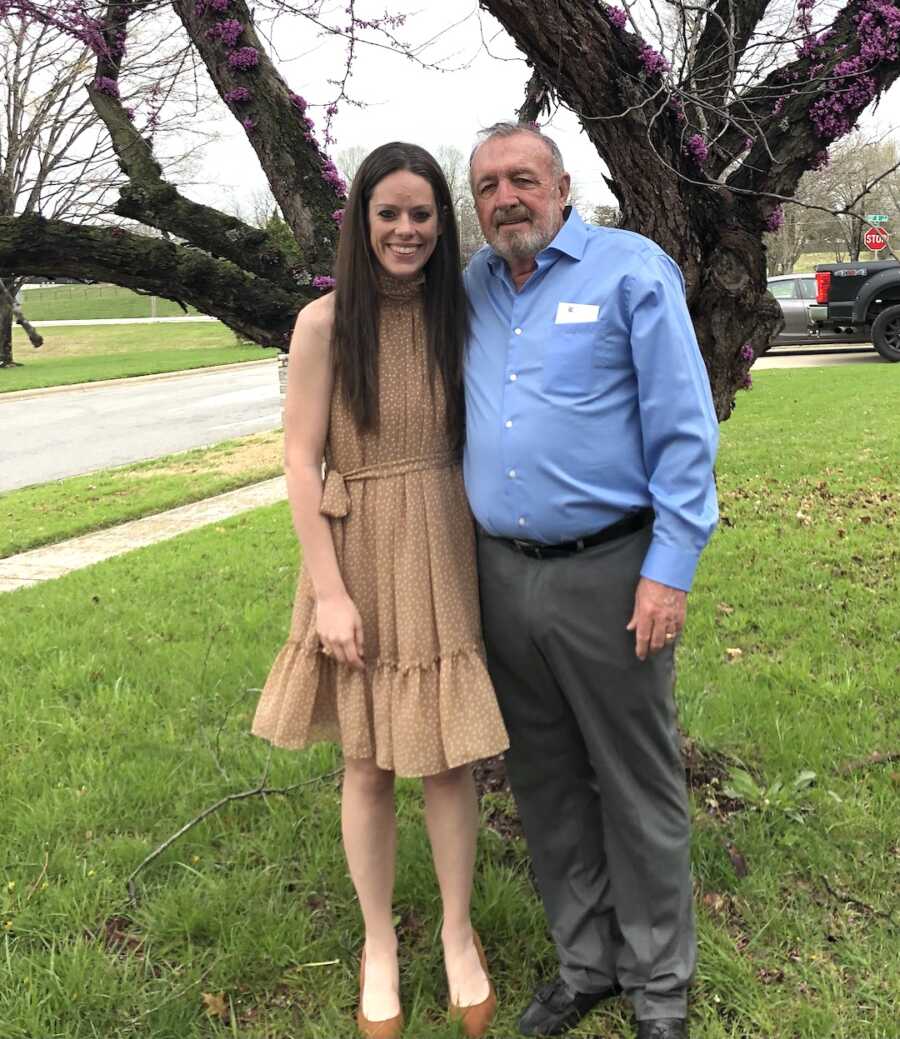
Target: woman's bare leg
x: 451, y: 815
x: 369, y: 827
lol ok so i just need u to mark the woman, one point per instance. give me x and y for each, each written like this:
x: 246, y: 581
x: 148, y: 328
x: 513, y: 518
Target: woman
x: 385, y: 654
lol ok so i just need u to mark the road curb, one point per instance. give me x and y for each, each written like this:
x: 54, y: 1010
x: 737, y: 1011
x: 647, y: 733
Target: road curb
x: 40, y: 391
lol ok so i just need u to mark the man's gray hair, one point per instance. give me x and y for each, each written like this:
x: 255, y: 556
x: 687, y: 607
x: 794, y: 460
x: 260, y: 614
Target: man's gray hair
x: 508, y: 129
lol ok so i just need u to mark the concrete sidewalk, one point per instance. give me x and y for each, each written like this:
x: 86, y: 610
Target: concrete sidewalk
x: 45, y: 564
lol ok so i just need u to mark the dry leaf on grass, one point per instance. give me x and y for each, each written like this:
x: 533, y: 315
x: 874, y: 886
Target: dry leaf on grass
x: 215, y: 1005
x: 733, y: 653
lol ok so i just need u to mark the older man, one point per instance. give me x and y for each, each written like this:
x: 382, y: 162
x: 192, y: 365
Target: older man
x: 590, y: 444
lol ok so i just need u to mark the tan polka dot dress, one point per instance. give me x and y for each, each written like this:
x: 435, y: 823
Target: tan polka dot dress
x: 404, y: 540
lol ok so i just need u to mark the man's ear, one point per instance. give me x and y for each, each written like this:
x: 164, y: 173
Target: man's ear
x: 565, y: 184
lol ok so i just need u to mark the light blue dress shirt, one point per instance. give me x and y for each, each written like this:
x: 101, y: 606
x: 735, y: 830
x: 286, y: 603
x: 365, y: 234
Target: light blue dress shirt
x: 587, y: 398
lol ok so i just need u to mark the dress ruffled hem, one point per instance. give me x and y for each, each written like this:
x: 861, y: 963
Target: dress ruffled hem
x: 413, y: 719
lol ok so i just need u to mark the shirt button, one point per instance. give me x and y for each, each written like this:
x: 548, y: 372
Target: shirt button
x: 508, y: 423
x: 521, y: 521
x: 512, y: 474
x: 513, y: 377
x: 518, y: 331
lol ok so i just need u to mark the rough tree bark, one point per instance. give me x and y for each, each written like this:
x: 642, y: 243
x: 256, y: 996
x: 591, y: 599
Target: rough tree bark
x: 6, y: 323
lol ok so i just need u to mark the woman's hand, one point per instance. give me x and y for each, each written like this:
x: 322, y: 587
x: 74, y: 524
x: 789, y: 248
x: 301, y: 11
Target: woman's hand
x: 339, y: 627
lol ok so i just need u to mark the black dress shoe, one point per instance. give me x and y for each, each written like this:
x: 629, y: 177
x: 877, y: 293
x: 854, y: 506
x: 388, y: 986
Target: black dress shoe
x: 663, y: 1028
x: 556, y: 1008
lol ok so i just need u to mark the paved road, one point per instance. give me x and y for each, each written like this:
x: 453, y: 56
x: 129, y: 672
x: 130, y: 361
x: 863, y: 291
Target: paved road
x: 64, y: 433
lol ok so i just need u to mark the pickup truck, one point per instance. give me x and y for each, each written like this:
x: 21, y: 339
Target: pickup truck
x: 862, y: 296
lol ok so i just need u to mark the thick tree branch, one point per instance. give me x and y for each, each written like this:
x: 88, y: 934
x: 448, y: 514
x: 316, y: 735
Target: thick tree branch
x: 299, y: 174
x: 250, y: 306
x: 149, y: 199
x: 810, y: 102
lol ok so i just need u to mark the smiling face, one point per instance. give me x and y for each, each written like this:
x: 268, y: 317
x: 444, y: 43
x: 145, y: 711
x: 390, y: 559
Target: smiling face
x: 403, y: 223
x: 518, y: 195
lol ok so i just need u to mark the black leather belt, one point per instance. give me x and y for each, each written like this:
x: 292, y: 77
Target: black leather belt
x: 629, y: 524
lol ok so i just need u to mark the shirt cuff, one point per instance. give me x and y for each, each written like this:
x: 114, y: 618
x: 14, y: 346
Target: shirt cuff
x: 672, y: 566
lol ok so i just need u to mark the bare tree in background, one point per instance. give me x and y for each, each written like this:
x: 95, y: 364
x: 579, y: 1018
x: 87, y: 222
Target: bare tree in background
x: 851, y: 179
x: 56, y: 160
x: 706, y: 118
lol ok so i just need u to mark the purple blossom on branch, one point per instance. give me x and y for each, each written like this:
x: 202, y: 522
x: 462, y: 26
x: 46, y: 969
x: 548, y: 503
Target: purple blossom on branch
x: 298, y: 102
x: 105, y: 85
x: 617, y: 17
x: 323, y: 282
x: 775, y: 219
x: 238, y: 96
x: 746, y: 383
x: 652, y: 62
x: 249, y: 123
x: 746, y: 353
x: 227, y: 32
x: 244, y: 58
x: 332, y: 178
x: 338, y: 216
x: 217, y: 6
x: 697, y: 148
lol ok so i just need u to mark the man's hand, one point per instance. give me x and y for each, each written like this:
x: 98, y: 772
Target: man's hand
x: 658, y: 617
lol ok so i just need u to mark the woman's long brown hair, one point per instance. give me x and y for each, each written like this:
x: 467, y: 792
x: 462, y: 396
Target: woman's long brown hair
x: 356, y: 304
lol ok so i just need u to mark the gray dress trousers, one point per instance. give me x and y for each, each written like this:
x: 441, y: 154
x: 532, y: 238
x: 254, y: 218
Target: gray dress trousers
x: 595, y: 767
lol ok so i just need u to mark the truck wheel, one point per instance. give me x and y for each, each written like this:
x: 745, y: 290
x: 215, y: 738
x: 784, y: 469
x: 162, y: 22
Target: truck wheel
x: 886, y: 333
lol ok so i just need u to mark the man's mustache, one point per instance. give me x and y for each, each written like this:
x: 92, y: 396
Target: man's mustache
x: 511, y: 216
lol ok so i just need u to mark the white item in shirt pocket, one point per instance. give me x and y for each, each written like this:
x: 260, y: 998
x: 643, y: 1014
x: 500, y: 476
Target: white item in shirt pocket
x: 576, y: 313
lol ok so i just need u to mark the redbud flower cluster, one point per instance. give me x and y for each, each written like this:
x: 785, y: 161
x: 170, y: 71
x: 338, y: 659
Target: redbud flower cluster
x: 697, y: 148
x: 652, y: 62
x: 775, y: 219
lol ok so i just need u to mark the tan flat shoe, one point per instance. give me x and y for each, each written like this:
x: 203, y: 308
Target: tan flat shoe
x: 476, y: 1019
x: 388, y: 1029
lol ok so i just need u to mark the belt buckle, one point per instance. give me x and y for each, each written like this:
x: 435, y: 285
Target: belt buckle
x: 527, y: 548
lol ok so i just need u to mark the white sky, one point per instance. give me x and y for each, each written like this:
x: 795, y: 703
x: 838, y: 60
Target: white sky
x: 407, y: 102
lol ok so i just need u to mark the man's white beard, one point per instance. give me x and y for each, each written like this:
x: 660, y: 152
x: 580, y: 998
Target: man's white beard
x: 522, y: 244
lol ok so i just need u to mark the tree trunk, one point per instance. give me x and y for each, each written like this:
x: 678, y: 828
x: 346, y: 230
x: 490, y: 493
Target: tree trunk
x: 6, y: 323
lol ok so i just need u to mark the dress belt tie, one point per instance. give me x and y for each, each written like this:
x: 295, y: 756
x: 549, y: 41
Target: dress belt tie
x: 336, y: 498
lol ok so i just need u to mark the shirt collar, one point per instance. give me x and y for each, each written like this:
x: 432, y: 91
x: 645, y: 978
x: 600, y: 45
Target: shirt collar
x: 570, y: 239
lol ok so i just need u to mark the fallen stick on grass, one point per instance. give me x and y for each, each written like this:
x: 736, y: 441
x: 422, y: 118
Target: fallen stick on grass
x: 258, y: 791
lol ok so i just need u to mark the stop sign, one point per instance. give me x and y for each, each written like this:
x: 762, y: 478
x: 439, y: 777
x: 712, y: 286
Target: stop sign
x: 875, y: 239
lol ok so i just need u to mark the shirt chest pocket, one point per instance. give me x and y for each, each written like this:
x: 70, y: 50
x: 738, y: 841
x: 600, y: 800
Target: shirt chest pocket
x: 575, y: 353
x: 569, y: 357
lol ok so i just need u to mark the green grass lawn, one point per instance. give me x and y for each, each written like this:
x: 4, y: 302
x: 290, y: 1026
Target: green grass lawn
x: 92, y: 302
x: 52, y: 512
x: 128, y: 690
x: 93, y: 353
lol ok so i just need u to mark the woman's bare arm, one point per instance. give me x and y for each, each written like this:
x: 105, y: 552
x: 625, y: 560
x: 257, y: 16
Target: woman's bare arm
x: 306, y: 414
